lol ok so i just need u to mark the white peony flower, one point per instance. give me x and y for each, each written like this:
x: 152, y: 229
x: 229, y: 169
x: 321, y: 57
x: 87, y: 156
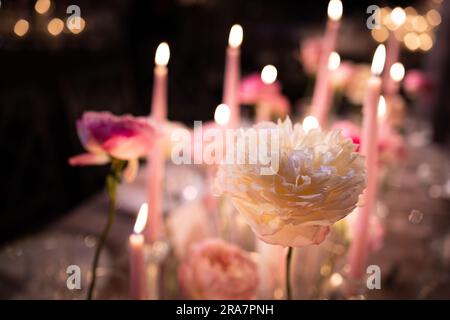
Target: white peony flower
x: 319, y: 180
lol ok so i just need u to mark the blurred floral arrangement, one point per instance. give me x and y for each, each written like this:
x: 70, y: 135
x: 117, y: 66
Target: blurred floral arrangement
x: 321, y: 199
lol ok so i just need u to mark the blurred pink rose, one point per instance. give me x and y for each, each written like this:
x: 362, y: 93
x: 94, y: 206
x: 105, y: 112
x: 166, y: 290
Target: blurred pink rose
x: 349, y: 130
x: 216, y: 270
x: 253, y: 90
x: 416, y: 82
x: 310, y: 51
x: 107, y: 136
x: 391, y: 145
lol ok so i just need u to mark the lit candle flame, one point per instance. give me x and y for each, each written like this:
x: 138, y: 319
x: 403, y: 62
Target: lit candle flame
x: 141, y: 219
x: 222, y: 114
x: 335, y: 10
x: 397, y: 72
x: 334, y: 61
x: 378, y: 60
x: 381, y: 112
x: 269, y: 74
x: 309, y: 123
x: 398, y: 16
x: 236, y: 35
x: 162, y: 55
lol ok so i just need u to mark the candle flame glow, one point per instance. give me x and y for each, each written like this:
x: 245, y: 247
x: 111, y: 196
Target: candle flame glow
x: 398, y: 16
x: 222, y: 114
x: 162, y: 55
x: 334, y: 61
x: 269, y: 74
x: 397, y: 72
x: 335, y: 10
x: 309, y: 123
x: 382, y: 109
x: 236, y: 35
x: 378, y: 60
x: 141, y: 219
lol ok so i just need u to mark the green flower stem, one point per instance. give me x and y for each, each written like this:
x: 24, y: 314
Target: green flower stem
x: 112, y: 181
x: 288, y: 273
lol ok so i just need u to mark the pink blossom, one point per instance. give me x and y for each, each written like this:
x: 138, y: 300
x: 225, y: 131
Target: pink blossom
x: 216, y: 270
x: 417, y: 82
x: 253, y: 90
x: 349, y: 130
x: 391, y: 145
x: 107, y: 136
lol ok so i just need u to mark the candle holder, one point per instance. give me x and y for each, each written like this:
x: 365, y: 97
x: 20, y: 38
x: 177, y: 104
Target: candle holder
x: 156, y: 254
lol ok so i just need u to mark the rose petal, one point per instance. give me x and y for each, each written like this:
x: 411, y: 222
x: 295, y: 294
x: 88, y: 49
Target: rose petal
x: 86, y: 159
x: 130, y: 172
x: 126, y: 148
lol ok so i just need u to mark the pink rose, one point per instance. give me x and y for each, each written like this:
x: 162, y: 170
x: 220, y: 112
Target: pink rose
x: 417, y: 82
x: 216, y: 270
x: 349, y: 130
x: 107, y: 136
x: 253, y: 90
x: 310, y: 52
x: 391, y: 145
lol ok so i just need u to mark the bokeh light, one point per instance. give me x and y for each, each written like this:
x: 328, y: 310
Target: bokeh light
x: 55, y: 26
x: 21, y: 27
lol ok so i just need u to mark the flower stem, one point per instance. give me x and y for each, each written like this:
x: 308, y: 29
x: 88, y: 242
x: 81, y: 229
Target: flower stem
x: 288, y: 273
x: 112, y: 181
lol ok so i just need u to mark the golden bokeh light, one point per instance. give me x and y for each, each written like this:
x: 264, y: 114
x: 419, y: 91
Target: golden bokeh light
x: 426, y: 43
x: 412, y: 41
x: 21, y: 27
x: 42, y: 6
x: 380, y: 35
x: 434, y: 17
x: 410, y: 11
x: 398, y: 16
x: 76, y: 24
x: 55, y: 26
x: 420, y: 24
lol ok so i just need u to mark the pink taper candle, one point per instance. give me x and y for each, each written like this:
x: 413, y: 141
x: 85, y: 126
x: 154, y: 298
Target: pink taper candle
x: 138, y: 281
x: 233, y: 74
x: 155, y: 166
x: 369, y: 148
x: 397, y: 17
x: 321, y: 94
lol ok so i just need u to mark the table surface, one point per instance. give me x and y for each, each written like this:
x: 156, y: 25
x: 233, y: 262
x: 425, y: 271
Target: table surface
x: 415, y: 258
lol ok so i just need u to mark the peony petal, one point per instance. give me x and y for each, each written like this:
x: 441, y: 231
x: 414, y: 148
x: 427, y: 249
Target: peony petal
x: 131, y: 170
x: 86, y: 159
x: 297, y: 236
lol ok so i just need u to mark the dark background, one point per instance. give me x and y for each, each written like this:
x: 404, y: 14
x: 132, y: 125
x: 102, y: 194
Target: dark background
x: 47, y: 82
